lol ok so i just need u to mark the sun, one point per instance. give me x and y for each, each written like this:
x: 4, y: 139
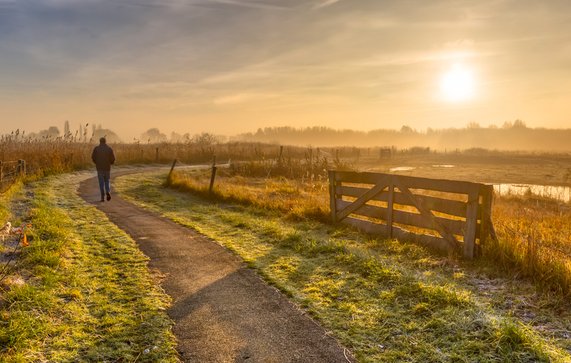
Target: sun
x: 457, y: 84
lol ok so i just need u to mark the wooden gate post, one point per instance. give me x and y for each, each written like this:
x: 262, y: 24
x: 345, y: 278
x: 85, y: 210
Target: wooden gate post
x: 487, y: 193
x: 390, y: 204
x: 332, y: 195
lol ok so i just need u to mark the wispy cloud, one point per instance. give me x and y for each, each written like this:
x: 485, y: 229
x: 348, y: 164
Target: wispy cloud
x: 325, y: 3
x: 244, y: 97
x: 250, y: 4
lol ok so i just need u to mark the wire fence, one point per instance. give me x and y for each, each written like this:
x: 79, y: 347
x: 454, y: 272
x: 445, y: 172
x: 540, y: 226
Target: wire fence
x: 10, y: 172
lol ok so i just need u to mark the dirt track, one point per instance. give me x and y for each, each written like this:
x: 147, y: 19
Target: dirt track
x: 223, y: 312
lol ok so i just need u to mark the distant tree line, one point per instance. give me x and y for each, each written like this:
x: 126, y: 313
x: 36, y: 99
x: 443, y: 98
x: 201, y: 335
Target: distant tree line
x: 510, y: 136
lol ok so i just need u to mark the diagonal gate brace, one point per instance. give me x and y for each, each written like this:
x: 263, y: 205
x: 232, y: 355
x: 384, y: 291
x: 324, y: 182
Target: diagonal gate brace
x: 426, y: 213
x: 359, y: 202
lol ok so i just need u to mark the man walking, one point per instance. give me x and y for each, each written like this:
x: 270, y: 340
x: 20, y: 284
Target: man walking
x: 103, y: 157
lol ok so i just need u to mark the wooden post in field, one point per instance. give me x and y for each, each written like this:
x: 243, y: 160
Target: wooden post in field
x: 213, y: 175
x: 172, y: 169
x: 332, y: 195
x: 311, y: 163
x: 157, y: 154
x: 281, y: 155
x: 1, y: 172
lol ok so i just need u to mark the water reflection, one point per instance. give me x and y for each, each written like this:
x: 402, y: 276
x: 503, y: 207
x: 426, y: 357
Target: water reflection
x: 547, y: 191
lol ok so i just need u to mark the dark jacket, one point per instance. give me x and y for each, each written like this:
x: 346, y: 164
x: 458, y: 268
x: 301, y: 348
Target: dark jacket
x: 103, y: 157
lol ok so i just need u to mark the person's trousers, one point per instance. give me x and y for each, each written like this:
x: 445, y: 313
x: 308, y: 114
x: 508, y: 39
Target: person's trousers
x: 104, y: 185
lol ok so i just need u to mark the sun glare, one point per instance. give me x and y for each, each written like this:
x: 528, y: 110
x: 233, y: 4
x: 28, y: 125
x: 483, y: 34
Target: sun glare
x: 457, y: 84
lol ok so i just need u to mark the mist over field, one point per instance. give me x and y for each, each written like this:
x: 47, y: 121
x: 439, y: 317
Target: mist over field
x: 510, y: 137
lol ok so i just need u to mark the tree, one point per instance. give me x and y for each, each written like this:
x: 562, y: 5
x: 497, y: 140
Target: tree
x: 153, y: 135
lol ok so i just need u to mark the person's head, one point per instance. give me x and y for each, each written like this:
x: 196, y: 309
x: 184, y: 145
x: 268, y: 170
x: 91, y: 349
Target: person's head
x: 102, y: 140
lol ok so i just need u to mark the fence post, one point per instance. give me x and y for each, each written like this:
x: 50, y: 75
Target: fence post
x: 213, y: 175
x: 281, y: 155
x: 1, y: 171
x: 172, y: 169
x: 157, y: 154
x: 471, y: 224
x: 332, y: 195
x: 390, y: 208
x: 311, y: 163
x: 20, y: 168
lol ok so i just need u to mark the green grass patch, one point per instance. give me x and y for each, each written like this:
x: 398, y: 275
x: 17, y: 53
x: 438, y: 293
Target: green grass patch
x: 87, y: 293
x: 385, y: 300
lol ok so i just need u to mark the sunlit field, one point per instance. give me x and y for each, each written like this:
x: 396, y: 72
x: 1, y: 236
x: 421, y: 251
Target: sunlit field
x: 534, y: 234
x: 287, y: 187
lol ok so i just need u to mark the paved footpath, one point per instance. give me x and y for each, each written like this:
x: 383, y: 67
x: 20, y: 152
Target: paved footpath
x: 223, y: 312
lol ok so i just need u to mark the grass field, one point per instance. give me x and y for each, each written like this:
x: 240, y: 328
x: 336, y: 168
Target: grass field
x: 385, y: 300
x: 81, y: 290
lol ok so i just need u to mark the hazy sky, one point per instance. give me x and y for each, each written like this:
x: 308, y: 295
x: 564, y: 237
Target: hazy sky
x: 230, y: 66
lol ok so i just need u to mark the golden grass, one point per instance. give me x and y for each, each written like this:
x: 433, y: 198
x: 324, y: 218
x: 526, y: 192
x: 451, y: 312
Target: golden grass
x: 534, y: 240
x: 296, y: 199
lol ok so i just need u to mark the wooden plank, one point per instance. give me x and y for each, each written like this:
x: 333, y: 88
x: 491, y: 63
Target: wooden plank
x: 371, y: 211
x: 366, y: 226
x: 361, y: 200
x: 332, y: 195
x: 357, y: 177
x: 441, y: 185
x: 376, y: 229
x: 453, y: 207
x: 438, y: 243
x: 456, y: 227
x: 390, y: 209
x: 427, y: 214
x: 471, y: 225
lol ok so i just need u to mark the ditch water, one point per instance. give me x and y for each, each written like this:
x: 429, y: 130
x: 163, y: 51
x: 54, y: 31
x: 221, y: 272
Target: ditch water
x: 547, y: 191
x: 561, y: 193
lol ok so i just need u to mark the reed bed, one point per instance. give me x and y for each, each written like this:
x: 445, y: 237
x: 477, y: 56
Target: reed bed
x: 50, y: 155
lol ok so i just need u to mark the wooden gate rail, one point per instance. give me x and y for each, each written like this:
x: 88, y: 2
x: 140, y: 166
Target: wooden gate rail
x: 470, y: 219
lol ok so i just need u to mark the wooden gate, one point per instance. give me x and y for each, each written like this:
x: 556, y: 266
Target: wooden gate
x: 445, y: 214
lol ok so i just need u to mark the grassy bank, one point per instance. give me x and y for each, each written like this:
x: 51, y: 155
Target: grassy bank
x: 385, y: 300
x: 83, y: 291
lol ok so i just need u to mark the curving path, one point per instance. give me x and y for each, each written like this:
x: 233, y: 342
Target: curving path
x: 223, y: 312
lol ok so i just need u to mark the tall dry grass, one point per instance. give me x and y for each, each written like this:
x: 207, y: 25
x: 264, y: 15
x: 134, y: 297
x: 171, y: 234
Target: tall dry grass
x: 48, y: 155
x: 533, y: 240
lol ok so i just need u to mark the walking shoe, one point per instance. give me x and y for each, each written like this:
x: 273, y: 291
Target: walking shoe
x: 108, y: 197
x: 102, y: 199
